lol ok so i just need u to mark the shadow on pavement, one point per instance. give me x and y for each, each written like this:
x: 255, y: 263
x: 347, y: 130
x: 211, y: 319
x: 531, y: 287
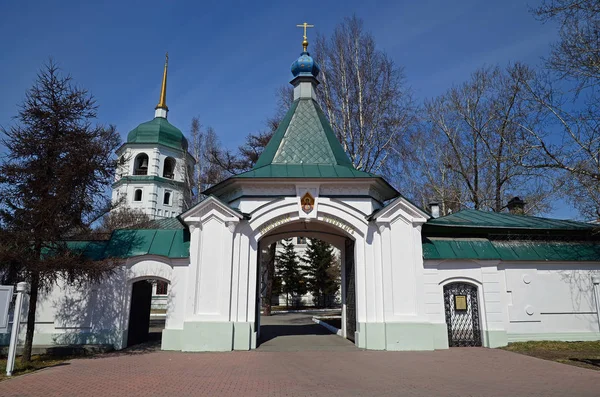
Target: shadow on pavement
x: 268, y: 332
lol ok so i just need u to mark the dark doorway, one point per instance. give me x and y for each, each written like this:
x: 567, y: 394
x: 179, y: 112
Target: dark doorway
x: 462, y: 315
x: 139, y: 315
x: 350, y: 298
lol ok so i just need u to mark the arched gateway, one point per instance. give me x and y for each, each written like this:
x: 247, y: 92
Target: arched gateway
x: 303, y: 181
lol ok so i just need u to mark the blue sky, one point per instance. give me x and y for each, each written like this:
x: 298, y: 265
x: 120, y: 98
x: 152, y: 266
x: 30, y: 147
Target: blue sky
x: 227, y: 59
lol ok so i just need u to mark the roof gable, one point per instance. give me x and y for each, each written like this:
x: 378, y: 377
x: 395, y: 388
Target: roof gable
x: 304, y: 137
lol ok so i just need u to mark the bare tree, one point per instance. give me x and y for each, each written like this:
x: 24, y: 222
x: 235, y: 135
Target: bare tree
x: 365, y: 97
x: 123, y: 218
x: 427, y: 176
x: 475, y: 142
x: 226, y: 162
x: 207, y: 171
x: 53, y: 181
x: 570, y: 140
x: 576, y: 56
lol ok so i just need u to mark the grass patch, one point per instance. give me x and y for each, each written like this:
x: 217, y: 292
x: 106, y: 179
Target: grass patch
x: 37, y: 362
x: 579, y: 354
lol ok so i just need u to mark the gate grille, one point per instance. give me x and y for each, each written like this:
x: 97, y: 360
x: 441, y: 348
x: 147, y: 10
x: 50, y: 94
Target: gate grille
x: 462, y: 315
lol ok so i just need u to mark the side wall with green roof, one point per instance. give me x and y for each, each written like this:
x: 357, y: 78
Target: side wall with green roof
x: 534, y: 276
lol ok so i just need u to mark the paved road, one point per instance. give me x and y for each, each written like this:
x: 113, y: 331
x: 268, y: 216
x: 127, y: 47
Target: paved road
x: 297, y: 359
x: 455, y: 372
x: 297, y: 332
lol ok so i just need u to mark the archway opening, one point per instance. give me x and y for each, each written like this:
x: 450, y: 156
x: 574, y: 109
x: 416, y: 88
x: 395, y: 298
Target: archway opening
x: 147, y: 311
x: 141, y: 164
x: 306, y: 279
x: 169, y: 168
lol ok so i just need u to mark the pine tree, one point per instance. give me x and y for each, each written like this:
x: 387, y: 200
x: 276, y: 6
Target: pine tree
x: 322, y: 271
x: 290, y: 272
x: 53, y: 182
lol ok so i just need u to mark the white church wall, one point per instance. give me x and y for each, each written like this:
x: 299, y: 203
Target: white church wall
x: 99, y: 314
x: 70, y: 315
x: 551, y: 301
x: 521, y: 301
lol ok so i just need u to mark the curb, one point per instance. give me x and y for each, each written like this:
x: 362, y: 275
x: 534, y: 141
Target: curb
x: 303, y: 311
x: 331, y: 328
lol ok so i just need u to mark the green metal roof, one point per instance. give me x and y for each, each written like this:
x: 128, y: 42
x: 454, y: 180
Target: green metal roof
x: 304, y: 136
x: 510, y: 250
x: 93, y: 250
x: 305, y: 171
x: 158, y: 131
x: 166, y: 223
x: 171, y: 243
x: 305, y: 146
x: 485, y: 219
x: 444, y: 248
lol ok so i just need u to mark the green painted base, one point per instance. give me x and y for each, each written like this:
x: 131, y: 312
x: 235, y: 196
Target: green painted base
x: 564, y: 336
x: 113, y: 338
x: 171, y: 339
x: 207, y: 336
x: 401, y: 336
x: 242, y: 336
x: 495, y: 339
x: 414, y: 336
x: 372, y: 336
x: 197, y: 336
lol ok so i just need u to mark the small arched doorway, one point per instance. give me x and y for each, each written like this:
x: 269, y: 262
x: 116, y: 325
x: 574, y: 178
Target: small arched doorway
x: 461, y: 306
x: 147, y: 311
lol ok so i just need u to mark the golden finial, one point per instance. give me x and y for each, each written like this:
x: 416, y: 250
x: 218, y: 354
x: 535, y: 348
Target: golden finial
x: 305, y: 41
x: 162, y: 104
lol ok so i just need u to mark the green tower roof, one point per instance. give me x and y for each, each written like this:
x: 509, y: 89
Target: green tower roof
x: 158, y: 131
x: 305, y: 138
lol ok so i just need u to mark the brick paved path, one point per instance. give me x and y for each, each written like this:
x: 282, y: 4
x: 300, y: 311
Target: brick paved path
x: 455, y: 372
x: 298, y: 332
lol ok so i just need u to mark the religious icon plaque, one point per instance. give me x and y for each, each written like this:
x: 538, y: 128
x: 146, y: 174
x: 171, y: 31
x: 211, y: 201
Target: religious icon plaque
x: 308, y: 203
x: 460, y: 303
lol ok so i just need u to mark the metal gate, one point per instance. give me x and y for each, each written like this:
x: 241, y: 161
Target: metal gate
x: 462, y: 315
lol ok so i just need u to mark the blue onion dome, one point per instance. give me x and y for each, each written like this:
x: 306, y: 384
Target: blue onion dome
x: 305, y: 65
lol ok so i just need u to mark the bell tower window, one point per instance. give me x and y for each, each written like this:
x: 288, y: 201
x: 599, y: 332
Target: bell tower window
x: 137, y: 196
x: 169, y: 168
x: 167, y: 198
x: 141, y: 164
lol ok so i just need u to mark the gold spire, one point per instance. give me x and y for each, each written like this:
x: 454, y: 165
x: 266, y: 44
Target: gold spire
x: 305, y: 41
x: 162, y: 104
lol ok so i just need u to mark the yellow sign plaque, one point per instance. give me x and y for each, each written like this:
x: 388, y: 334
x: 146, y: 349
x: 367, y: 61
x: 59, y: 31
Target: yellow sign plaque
x: 460, y: 302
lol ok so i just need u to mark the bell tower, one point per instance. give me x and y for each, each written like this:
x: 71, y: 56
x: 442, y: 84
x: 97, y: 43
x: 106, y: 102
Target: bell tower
x: 154, y: 167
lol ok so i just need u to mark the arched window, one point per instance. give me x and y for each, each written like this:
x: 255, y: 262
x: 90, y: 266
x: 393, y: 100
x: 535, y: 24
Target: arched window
x: 169, y: 168
x: 141, y: 164
x: 137, y: 195
x: 161, y: 287
x: 167, y: 198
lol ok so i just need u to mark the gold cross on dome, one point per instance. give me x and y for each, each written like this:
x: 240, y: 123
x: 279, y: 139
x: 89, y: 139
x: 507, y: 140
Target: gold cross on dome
x: 305, y: 41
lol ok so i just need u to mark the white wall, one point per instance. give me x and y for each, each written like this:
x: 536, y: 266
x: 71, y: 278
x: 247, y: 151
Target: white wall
x: 99, y: 314
x: 527, y: 300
